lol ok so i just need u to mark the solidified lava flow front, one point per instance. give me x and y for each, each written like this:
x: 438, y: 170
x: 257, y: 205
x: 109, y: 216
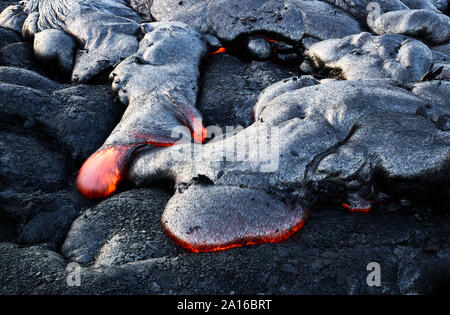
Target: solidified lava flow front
x: 258, y: 239
x: 352, y: 209
x: 376, y: 125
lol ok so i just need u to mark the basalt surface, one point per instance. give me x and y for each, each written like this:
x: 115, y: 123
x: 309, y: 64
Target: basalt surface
x: 336, y: 154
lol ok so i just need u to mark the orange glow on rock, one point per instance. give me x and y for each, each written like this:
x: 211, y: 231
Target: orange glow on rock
x: 199, y: 137
x: 152, y: 141
x: 221, y: 50
x: 102, y: 171
x: 198, y: 131
x: 277, y: 238
x: 269, y: 39
x: 346, y: 206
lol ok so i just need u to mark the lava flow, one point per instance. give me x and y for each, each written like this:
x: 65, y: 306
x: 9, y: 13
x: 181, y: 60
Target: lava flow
x: 347, y: 206
x: 103, y: 170
x: 203, y: 248
x: 221, y: 50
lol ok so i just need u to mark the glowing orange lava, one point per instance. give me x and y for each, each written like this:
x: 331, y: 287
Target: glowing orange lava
x: 221, y: 50
x: 198, y: 131
x: 201, y: 248
x: 200, y: 136
x: 102, y: 171
x: 346, y: 206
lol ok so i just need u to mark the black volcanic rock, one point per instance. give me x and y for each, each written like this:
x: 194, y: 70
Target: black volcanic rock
x: 79, y: 117
x: 8, y: 36
x: 18, y: 54
x: 259, y: 48
x: 122, y: 229
x: 27, y: 165
x: 229, y: 19
x: 329, y: 255
x: 230, y: 87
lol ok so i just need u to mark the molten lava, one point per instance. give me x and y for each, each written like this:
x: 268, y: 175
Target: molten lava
x: 102, y: 171
x: 275, y: 238
x: 346, y: 206
x: 221, y: 50
x: 201, y: 135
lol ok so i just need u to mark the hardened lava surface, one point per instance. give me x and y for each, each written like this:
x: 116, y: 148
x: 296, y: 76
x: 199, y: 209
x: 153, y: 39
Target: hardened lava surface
x: 339, y: 156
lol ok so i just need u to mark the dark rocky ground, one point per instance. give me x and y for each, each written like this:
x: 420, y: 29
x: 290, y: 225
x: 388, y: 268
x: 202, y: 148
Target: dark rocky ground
x: 50, y: 126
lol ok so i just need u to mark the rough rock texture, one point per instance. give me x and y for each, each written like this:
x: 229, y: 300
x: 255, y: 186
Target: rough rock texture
x: 323, y: 21
x: 412, y: 250
x: 191, y: 12
x: 142, y: 7
x: 121, y: 229
x: 279, y: 88
x: 229, y: 88
x: 25, y: 164
x: 368, y: 128
x: 364, y: 56
x: 8, y: 36
x: 229, y: 19
x: 18, y: 55
x: 335, y: 138
x: 436, y: 93
x: 79, y: 117
x: 259, y: 48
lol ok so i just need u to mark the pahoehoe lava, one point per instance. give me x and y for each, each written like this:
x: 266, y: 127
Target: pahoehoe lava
x: 348, y: 107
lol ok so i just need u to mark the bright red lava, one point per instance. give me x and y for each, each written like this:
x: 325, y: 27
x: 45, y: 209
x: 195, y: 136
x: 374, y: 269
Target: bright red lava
x: 240, y: 243
x: 102, y: 171
x: 346, y: 206
x: 200, y: 134
x: 221, y: 50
